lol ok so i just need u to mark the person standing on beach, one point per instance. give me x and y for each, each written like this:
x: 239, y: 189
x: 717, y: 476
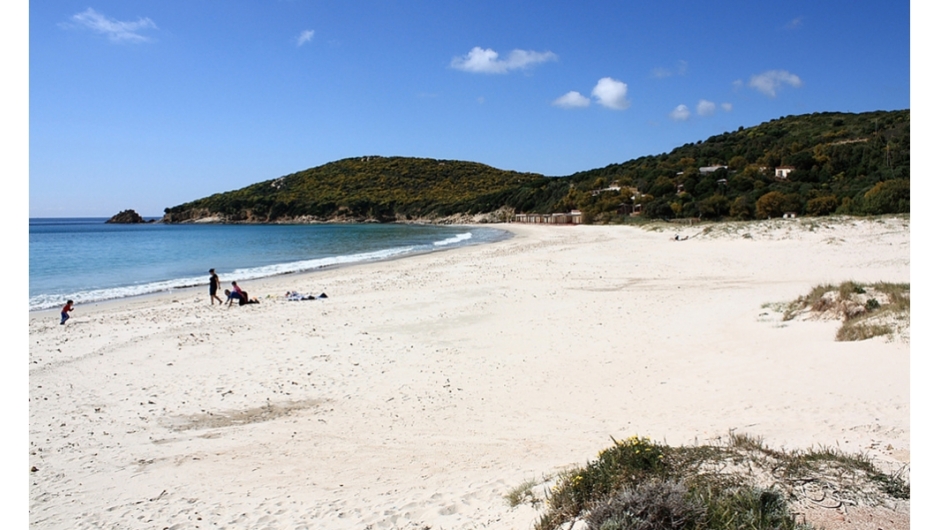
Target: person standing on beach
x: 214, y: 285
x: 65, y: 311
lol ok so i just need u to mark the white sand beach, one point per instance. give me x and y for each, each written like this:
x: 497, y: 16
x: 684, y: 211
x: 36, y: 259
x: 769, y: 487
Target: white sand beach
x: 423, y: 390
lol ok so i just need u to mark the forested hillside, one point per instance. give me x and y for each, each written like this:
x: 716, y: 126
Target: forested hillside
x: 835, y: 163
x: 844, y: 163
x: 367, y: 188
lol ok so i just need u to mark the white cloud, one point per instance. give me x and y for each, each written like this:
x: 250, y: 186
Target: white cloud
x: 611, y: 93
x: 705, y: 108
x: 683, y: 66
x: 480, y: 61
x: 572, y: 100
x: 305, y: 37
x: 795, y: 23
x: 770, y: 81
x: 661, y: 73
x: 726, y: 107
x: 115, y: 30
x: 680, y: 113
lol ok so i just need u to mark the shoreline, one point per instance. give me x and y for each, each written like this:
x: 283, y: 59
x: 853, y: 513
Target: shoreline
x: 424, y: 389
x: 201, y: 283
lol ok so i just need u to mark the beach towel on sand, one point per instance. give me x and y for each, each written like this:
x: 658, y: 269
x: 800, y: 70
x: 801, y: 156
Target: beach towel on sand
x: 294, y: 296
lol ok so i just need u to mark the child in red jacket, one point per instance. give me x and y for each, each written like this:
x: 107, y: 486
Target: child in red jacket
x: 65, y: 311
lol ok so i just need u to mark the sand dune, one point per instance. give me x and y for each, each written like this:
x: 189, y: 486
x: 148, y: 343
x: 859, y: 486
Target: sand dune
x: 424, y: 389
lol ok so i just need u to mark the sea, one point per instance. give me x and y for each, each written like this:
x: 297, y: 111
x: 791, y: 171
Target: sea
x: 87, y: 260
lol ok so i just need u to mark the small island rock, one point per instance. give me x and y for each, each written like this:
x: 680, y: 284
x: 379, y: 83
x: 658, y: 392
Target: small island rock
x: 127, y: 217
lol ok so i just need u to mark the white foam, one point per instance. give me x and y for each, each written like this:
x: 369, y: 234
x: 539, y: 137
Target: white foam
x: 454, y: 240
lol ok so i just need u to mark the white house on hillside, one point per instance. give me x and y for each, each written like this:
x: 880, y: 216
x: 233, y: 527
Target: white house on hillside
x: 783, y: 172
x: 710, y: 169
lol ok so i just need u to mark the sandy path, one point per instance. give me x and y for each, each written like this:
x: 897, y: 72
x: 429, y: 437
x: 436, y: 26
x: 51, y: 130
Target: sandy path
x: 424, y: 389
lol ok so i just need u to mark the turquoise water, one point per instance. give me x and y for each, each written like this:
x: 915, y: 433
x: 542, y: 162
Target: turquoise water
x: 86, y: 260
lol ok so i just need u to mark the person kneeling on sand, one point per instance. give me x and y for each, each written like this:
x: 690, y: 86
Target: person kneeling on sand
x: 241, y: 296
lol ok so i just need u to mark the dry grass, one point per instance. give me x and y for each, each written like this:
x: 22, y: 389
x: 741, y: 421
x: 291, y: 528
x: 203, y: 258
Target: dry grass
x: 866, y: 310
x: 733, y: 483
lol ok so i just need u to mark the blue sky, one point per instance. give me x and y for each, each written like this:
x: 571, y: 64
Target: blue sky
x: 146, y: 105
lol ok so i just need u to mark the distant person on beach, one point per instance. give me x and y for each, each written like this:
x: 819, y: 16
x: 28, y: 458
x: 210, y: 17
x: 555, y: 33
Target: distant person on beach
x: 293, y: 296
x: 232, y: 296
x: 239, y: 295
x: 214, y: 285
x: 65, y: 311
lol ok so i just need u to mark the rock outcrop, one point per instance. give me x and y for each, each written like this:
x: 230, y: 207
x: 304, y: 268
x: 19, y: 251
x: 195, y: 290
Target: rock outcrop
x: 127, y: 217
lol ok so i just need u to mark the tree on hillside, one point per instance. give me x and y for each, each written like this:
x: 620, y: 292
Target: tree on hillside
x: 822, y: 205
x: 890, y: 196
x: 775, y: 204
x: 714, y: 207
x: 741, y: 208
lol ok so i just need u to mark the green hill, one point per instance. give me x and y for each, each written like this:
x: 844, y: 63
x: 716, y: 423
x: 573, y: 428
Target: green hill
x: 838, y: 163
x: 366, y: 188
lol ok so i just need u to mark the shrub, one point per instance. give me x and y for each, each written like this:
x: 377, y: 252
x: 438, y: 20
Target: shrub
x: 822, y: 205
x: 658, y: 209
x: 714, y: 207
x: 745, y: 507
x: 658, y: 505
x: 890, y: 196
x: 741, y: 484
x: 863, y: 317
x: 847, y: 289
x: 771, y: 204
x: 848, y: 207
x: 627, y: 463
x: 741, y: 208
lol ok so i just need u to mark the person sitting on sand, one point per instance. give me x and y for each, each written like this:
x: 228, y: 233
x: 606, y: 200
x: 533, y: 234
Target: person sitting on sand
x: 65, y: 311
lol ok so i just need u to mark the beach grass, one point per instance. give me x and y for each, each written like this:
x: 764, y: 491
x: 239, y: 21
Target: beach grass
x: 866, y: 310
x: 524, y: 493
x: 734, y: 483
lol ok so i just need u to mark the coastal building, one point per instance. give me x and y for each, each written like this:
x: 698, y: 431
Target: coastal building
x: 710, y: 169
x: 571, y: 218
x: 783, y: 172
x: 615, y: 188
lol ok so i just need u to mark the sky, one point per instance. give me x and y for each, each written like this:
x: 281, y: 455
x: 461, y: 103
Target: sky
x: 145, y: 105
